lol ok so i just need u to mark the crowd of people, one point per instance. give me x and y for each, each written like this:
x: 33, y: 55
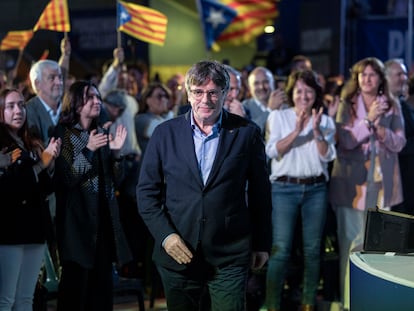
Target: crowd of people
x: 229, y: 172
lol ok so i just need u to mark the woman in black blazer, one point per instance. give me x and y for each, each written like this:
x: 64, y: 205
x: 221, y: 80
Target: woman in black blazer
x: 25, y: 172
x: 88, y: 227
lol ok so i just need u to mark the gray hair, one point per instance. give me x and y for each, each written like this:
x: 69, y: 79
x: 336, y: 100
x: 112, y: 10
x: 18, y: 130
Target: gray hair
x: 116, y: 98
x: 37, y: 69
x: 266, y: 71
x: 234, y: 72
x: 392, y: 61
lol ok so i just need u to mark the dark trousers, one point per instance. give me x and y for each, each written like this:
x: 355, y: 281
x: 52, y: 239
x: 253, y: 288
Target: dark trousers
x: 82, y: 289
x: 226, y: 287
x: 407, y: 176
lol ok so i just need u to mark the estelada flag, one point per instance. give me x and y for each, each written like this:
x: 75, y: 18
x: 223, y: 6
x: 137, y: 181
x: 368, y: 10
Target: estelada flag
x: 54, y: 17
x: 142, y: 23
x: 215, y: 18
x: 252, y: 17
x: 16, y: 40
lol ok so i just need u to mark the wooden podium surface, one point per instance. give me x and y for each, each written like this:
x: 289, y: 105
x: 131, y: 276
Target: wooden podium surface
x: 381, y: 282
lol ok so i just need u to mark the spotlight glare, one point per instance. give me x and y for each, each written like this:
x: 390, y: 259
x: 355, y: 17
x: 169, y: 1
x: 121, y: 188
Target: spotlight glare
x: 269, y: 29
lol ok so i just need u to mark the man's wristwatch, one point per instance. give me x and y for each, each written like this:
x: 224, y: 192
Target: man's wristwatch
x: 320, y: 138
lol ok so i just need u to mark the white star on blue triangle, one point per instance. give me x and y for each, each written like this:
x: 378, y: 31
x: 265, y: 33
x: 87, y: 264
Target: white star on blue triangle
x: 215, y: 17
x: 123, y: 15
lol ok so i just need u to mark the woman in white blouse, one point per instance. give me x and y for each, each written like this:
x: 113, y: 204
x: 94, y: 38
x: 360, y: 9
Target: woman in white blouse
x: 300, y: 143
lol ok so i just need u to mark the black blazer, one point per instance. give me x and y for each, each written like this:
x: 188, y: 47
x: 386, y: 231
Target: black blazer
x: 408, y: 149
x: 82, y: 194
x: 217, y: 216
x: 24, y: 213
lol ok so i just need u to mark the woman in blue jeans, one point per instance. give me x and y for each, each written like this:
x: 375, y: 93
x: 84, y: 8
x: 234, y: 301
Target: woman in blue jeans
x: 300, y: 143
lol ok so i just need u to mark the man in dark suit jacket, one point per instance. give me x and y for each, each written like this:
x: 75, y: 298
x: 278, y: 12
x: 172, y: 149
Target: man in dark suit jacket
x: 205, y: 196
x: 43, y: 110
x: 397, y: 75
x: 47, y: 78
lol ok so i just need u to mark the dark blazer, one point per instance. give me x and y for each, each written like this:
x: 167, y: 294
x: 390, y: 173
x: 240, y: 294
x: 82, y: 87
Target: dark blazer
x: 39, y: 121
x: 81, y: 195
x: 24, y: 217
x: 406, y: 161
x: 216, y: 216
x: 408, y: 149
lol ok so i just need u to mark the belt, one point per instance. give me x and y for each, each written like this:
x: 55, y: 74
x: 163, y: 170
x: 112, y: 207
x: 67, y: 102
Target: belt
x: 302, y: 181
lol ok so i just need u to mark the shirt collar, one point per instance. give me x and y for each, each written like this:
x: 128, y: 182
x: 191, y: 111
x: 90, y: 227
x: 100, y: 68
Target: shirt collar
x: 261, y: 106
x: 50, y: 110
x: 216, y: 126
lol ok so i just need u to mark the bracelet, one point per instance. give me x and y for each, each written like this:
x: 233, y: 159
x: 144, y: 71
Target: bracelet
x: 369, y: 123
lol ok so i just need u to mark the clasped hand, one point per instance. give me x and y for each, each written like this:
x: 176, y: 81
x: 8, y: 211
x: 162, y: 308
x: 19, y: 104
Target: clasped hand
x: 378, y: 108
x: 98, y: 140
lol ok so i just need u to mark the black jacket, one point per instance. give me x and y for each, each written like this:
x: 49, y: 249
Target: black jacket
x: 216, y: 216
x: 83, y: 193
x: 24, y: 214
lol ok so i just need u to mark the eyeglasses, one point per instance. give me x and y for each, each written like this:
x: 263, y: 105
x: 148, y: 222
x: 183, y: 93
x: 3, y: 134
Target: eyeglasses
x: 161, y: 96
x: 213, y: 94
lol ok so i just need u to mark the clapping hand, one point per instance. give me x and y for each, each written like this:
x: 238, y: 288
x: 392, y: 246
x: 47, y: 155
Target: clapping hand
x: 300, y: 121
x: 116, y: 143
x: 51, y: 152
x: 316, y: 118
x: 96, y: 140
x: 7, y: 158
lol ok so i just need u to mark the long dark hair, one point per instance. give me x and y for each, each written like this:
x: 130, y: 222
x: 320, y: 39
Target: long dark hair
x: 310, y: 78
x: 30, y: 142
x: 74, y: 100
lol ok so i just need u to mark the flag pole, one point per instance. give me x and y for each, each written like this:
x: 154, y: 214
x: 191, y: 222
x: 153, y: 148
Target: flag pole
x: 118, y: 38
x: 409, y: 56
x: 118, y: 23
x: 19, y: 59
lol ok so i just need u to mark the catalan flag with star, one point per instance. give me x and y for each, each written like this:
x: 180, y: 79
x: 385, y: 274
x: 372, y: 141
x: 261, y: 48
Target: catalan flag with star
x: 215, y: 18
x: 142, y: 23
x: 252, y: 17
x: 54, y: 17
x: 16, y: 40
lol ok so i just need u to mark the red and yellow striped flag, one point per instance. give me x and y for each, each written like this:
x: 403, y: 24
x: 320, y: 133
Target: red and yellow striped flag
x: 54, y: 17
x: 16, y: 40
x: 252, y: 17
x: 142, y: 23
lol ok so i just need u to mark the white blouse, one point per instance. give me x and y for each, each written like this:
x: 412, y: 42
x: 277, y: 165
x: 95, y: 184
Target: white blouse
x: 303, y: 159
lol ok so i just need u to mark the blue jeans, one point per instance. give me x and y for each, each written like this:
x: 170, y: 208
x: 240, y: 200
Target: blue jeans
x: 19, y: 270
x: 290, y: 201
